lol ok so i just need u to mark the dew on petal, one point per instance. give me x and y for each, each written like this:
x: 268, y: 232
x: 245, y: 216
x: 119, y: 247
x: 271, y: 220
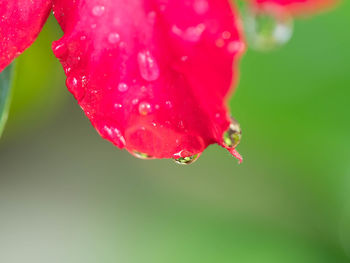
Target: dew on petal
x: 113, y: 134
x: 144, y: 108
x: 201, y: 6
x: 122, y: 87
x: 98, y: 10
x: 233, y: 135
x: 60, y: 50
x: 148, y: 66
x: 140, y: 155
x: 187, y: 160
x: 113, y: 38
x: 191, y: 34
x: 266, y: 31
x: 76, y: 85
x: 235, y: 47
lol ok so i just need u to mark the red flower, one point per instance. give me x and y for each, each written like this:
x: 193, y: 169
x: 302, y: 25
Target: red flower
x: 153, y: 76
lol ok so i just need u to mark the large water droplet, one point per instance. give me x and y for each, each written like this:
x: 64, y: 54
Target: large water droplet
x: 233, y: 135
x: 266, y: 30
x: 187, y: 160
x: 143, y: 156
x: 98, y: 10
x: 148, y: 66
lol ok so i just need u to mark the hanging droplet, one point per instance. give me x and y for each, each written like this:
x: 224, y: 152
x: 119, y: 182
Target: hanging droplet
x: 187, y: 160
x: 268, y: 29
x: 148, y: 66
x: 233, y: 135
x: 143, y: 156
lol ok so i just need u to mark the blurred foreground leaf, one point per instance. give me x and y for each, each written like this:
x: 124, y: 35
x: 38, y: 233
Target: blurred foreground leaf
x: 5, y: 95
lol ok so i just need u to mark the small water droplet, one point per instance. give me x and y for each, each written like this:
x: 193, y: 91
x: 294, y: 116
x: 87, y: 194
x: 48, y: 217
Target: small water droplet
x: 135, y: 101
x: 233, y: 135
x: 144, y: 108
x: 148, y: 66
x: 98, y: 10
x: 113, y: 134
x: 140, y: 155
x: 220, y: 43
x: 266, y: 30
x: 226, y: 35
x: 191, y: 34
x: 76, y: 85
x: 118, y: 106
x: 201, y: 6
x: 235, y: 47
x: 113, y: 38
x: 60, y: 50
x: 122, y: 87
x: 168, y: 104
x: 187, y: 160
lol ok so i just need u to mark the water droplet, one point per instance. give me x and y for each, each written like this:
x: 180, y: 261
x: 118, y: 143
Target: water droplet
x: 114, y: 135
x: 60, y: 50
x: 148, y: 66
x: 168, y: 104
x: 266, y: 30
x: 98, y: 10
x: 233, y: 135
x: 118, y: 106
x: 220, y: 43
x: 191, y: 34
x: 201, y: 6
x: 143, y: 156
x: 235, y: 47
x: 226, y: 35
x: 122, y: 87
x: 187, y: 160
x: 113, y: 38
x: 144, y: 108
x: 76, y: 85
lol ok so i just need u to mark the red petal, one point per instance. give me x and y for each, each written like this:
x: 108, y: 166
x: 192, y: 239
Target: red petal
x: 152, y: 75
x: 20, y: 23
x: 295, y: 7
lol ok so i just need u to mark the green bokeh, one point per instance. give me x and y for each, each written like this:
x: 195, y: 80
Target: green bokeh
x: 68, y: 196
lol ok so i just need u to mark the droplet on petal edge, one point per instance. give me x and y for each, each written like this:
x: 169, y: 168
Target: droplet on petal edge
x: 266, y: 30
x: 231, y: 138
x: 143, y: 156
x: 187, y: 160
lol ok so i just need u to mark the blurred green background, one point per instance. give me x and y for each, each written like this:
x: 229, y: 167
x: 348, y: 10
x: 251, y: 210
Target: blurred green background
x: 66, y: 195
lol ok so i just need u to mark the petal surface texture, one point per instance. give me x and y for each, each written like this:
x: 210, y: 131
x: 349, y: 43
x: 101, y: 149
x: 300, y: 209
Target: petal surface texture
x: 153, y: 76
x: 20, y: 23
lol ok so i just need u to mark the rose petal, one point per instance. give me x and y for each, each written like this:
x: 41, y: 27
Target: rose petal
x: 20, y: 23
x: 153, y: 76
